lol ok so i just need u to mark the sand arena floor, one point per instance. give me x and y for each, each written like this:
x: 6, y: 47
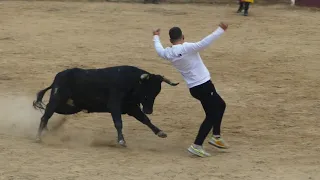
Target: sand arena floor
x: 266, y: 67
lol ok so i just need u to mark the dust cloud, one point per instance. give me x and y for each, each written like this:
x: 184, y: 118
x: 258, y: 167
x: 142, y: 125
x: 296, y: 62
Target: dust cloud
x: 19, y: 118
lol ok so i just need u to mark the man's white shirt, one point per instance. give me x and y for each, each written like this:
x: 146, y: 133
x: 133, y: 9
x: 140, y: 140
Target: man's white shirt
x: 186, y: 58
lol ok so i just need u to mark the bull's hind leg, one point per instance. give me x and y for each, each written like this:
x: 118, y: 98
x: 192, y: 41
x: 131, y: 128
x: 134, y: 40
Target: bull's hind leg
x: 55, y: 99
x: 46, y: 116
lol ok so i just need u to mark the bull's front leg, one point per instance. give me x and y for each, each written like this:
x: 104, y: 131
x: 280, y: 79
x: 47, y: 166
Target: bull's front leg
x: 117, y: 120
x: 136, y: 112
x: 114, y: 105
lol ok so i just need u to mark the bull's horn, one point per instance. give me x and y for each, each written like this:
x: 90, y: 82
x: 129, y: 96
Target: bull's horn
x: 169, y: 82
x: 144, y: 76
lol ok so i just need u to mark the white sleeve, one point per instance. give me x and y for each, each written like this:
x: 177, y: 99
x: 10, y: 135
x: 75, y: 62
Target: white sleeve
x: 158, y: 46
x: 205, y: 42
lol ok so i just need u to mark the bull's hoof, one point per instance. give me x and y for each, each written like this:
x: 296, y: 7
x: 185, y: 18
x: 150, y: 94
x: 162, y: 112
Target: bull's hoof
x: 122, y: 143
x: 162, y: 134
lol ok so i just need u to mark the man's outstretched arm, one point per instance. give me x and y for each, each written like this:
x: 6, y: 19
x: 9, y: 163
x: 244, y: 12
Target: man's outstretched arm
x: 207, y: 41
x: 157, y: 43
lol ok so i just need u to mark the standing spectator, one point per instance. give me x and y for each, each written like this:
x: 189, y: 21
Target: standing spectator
x: 244, y: 4
x: 153, y: 1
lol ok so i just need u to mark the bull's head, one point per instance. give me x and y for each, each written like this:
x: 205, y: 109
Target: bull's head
x: 150, y: 87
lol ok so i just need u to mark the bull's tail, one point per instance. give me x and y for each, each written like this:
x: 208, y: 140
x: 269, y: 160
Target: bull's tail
x: 38, y: 104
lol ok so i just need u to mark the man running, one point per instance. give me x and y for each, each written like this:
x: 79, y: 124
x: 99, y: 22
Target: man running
x: 185, y: 57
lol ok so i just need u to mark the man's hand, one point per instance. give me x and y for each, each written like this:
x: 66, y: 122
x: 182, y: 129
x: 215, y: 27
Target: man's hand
x: 156, y: 32
x: 223, y: 25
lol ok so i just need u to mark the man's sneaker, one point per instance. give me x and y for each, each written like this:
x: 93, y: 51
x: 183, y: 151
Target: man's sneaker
x: 218, y: 142
x: 198, y: 150
x: 245, y: 13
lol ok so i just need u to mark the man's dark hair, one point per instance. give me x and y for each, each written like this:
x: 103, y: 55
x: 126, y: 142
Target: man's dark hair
x: 175, y: 33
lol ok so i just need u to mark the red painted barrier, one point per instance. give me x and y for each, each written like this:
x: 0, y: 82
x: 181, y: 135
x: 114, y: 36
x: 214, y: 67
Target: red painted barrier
x: 310, y: 3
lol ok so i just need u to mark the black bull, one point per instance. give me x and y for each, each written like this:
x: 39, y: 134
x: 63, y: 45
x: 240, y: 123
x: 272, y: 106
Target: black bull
x: 116, y: 90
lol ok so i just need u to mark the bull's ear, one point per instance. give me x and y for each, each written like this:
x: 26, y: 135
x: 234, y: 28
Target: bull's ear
x: 144, y: 76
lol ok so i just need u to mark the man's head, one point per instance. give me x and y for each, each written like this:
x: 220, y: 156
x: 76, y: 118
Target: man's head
x: 176, y: 36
